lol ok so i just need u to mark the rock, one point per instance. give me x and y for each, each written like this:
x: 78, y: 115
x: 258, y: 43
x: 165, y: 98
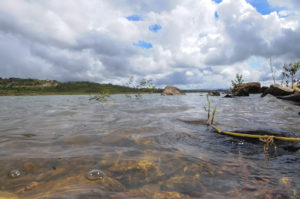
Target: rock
x: 171, y: 90
x: 7, y: 195
x: 263, y: 89
x: 189, y: 185
x: 242, y: 91
x: 253, y: 87
x: 214, y: 93
x: 153, y: 191
x: 246, y: 88
x: 296, y: 88
x: 228, y: 96
x: 293, y: 97
x: 112, y: 184
x: 278, y: 90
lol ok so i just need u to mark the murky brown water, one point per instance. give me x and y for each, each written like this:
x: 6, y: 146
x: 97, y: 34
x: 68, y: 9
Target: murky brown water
x: 70, y: 147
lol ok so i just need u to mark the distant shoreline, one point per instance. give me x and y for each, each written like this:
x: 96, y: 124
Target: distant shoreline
x: 33, y: 87
x: 66, y: 93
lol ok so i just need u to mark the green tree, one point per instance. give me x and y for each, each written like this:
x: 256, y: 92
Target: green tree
x: 237, y: 82
x: 290, y: 71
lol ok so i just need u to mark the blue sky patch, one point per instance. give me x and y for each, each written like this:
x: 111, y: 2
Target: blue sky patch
x: 143, y: 44
x: 217, y: 1
x: 263, y: 7
x: 257, y: 62
x: 155, y: 28
x: 216, y: 15
x: 134, y: 18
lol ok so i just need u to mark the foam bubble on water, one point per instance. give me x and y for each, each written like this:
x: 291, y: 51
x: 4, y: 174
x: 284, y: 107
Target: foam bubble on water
x: 14, y: 173
x: 95, y: 174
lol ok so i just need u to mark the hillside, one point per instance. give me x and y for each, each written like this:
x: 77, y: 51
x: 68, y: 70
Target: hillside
x: 19, y: 86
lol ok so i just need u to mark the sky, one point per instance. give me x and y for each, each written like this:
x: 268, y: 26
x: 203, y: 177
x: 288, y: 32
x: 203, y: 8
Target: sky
x: 189, y: 44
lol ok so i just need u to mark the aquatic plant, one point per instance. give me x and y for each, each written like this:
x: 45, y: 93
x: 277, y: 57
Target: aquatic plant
x: 269, y: 140
x: 144, y: 86
x: 210, y: 121
x: 103, y: 96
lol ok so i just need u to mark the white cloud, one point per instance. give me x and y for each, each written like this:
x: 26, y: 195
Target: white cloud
x: 92, y: 40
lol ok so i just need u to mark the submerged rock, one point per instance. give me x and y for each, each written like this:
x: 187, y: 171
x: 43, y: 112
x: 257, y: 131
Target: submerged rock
x: 134, y: 172
x: 214, y: 93
x: 189, y: 185
x: 152, y: 191
x: 111, y: 184
x: 278, y: 90
x: 7, y: 195
x: 171, y: 90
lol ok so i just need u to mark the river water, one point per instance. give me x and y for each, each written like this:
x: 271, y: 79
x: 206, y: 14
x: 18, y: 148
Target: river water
x: 152, y: 147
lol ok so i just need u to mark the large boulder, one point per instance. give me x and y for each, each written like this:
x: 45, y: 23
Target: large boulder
x: 241, y: 91
x: 278, y: 90
x: 246, y: 88
x: 214, y: 93
x: 293, y: 97
x: 171, y: 90
x: 263, y: 89
x: 253, y: 87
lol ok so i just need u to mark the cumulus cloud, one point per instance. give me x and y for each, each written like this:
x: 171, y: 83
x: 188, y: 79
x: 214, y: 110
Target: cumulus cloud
x: 190, y: 44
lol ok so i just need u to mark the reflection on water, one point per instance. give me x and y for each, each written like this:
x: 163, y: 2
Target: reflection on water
x: 156, y: 147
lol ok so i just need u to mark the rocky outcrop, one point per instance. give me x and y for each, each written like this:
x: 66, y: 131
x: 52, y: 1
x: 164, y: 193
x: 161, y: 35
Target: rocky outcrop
x: 246, y: 88
x: 241, y: 91
x: 263, y: 89
x: 252, y: 87
x: 293, y: 97
x: 214, y: 93
x: 278, y: 90
x: 171, y: 90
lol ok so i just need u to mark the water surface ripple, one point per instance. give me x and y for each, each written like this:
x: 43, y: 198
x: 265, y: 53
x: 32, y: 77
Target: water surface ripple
x: 153, y: 147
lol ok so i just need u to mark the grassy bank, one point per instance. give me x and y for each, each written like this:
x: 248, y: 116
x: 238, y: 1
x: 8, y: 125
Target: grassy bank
x: 18, y: 86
